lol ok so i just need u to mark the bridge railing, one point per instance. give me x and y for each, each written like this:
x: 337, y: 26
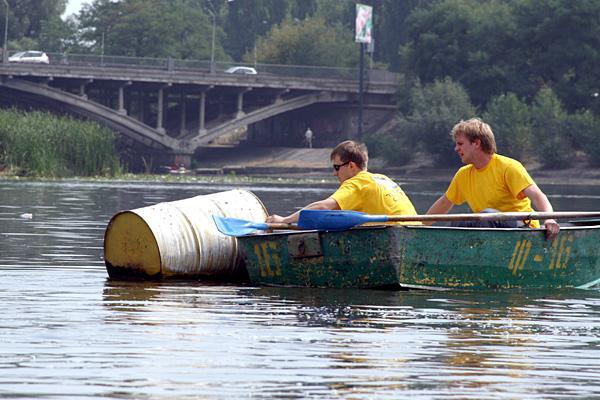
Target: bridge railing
x: 106, y: 61
x: 202, y: 66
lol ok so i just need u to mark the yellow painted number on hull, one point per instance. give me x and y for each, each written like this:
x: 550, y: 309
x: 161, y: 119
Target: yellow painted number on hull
x: 269, y: 264
x: 520, y: 254
x: 560, y: 252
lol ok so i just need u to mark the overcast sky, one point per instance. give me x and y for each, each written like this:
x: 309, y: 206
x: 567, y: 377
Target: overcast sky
x: 73, y: 6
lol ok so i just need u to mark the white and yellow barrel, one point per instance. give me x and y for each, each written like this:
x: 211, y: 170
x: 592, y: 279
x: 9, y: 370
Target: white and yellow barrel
x: 178, y: 238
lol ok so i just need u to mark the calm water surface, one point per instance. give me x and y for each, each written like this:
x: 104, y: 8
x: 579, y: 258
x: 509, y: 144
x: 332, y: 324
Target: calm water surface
x: 66, y: 331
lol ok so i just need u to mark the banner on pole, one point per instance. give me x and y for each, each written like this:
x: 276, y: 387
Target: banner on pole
x: 364, y: 23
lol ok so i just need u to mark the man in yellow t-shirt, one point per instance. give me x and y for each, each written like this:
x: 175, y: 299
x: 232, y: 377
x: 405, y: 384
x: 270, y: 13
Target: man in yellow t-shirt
x: 360, y: 190
x: 490, y: 181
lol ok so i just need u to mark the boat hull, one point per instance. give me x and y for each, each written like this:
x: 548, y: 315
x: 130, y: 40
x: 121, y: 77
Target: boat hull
x: 425, y: 257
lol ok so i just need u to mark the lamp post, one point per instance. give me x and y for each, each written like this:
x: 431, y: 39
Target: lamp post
x: 102, y: 50
x: 212, y: 47
x: 4, y: 49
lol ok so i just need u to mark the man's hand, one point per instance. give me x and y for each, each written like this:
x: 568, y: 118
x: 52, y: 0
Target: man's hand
x: 552, y: 229
x: 275, y: 219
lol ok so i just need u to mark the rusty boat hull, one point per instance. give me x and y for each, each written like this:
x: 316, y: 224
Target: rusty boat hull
x: 430, y: 257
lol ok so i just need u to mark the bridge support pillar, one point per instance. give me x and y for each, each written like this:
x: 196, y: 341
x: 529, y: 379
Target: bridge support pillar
x: 202, y: 113
x: 240, y: 103
x: 141, y: 106
x: 182, y: 115
x: 82, y: 88
x: 122, y: 109
x: 160, y: 107
x: 278, y: 96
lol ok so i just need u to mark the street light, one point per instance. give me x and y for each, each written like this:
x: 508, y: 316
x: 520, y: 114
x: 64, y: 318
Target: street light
x: 212, y: 47
x: 4, y: 49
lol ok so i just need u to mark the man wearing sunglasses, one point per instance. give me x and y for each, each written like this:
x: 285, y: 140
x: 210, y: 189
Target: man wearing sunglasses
x: 359, y: 189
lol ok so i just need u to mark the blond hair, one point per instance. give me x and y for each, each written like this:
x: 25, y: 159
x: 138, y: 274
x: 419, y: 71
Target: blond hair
x: 475, y: 128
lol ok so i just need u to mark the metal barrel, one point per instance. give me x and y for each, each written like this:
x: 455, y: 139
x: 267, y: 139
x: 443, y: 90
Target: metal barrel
x: 179, y: 238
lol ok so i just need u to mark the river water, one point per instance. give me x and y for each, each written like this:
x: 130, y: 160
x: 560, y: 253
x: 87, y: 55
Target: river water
x: 66, y: 331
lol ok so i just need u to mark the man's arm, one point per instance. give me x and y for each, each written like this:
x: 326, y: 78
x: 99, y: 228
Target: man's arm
x: 327, y: 204
x: 542, y: 204
x: 441, y: 206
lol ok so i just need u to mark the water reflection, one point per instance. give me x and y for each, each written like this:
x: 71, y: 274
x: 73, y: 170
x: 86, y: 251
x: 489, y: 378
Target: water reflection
x: 359, y: 342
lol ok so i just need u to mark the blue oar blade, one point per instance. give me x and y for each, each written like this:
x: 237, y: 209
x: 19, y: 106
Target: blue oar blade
x: 237, y: 227
x: 333, y: 220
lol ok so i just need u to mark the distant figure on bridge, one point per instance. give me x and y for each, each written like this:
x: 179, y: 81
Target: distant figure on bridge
x: 308, y: 138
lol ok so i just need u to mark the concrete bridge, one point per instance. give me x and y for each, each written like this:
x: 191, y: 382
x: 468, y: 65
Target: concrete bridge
x: 176, y: 110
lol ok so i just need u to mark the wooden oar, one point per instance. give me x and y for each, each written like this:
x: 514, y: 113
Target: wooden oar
x: 341, y: 220
x: 240, y: 227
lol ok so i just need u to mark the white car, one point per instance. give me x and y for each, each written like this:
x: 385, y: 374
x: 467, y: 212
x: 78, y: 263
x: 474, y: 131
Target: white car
x: 33, y: 57
x: 241, y: 70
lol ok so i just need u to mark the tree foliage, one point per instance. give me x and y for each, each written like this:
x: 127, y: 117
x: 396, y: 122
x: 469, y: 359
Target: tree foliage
x: 514, y: 46
x: 510, y: 120
x: 585, y: 132
x: 308, y: 42
x: 393, y: 146
x: 549, y: 122
x: 150, y: 28
x: 435, y: 108
x: 26, y: 19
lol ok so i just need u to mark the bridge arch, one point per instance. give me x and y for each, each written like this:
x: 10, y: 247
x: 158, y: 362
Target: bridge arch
x: 130, y: 99
x: 153, y: 137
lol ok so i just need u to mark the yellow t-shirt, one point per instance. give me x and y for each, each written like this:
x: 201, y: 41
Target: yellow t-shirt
x: 374, y: 194
x: 498, y: 185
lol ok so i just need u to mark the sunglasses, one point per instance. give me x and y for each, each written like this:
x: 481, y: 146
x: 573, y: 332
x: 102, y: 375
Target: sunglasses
x: 338, y: 166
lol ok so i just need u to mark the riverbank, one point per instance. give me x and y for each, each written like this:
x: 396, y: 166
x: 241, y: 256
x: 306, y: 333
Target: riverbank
x: 312, y: 166
x: 298, y: 163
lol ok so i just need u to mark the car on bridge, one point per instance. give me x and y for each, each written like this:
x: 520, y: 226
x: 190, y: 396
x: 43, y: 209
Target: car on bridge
x: 33, y: 57
x: 241, y: 70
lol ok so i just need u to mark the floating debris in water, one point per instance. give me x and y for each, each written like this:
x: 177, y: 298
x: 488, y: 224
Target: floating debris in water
x: 26, y: 215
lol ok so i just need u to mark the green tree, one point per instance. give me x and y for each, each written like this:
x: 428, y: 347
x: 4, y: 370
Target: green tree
x: 517, y: 46
x: 510, y: 120
x: 246, y: 21
x: 302, y: 9
x: 59, y: 36
x: 391, y: 29
x: 394, y: 145
x: 558, y: 44
x: 585, y: 132
x: 468, y: 40
x: 435, y: 109
x: 339, y: 12
x: 26, y: 19
x: 150, y: 28
x: 549, y: 123
x: 309, y: 42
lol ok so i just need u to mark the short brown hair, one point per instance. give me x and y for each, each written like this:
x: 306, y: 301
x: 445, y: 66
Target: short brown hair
x: 350, y: 150
x: 475, y: 128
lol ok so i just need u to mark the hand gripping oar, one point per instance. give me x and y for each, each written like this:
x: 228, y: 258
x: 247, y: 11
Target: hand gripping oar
x: 335, y: 220
x: 240, y: 227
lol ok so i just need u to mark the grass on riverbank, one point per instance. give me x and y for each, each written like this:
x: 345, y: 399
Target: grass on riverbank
x: 234, y: 180
x: 41, y: 144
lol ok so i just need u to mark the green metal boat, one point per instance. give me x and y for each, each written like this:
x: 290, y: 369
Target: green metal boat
x: 428, y: 257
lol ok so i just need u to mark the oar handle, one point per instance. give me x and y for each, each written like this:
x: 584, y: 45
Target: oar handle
x: 508, y: 216
x: 282, y: 226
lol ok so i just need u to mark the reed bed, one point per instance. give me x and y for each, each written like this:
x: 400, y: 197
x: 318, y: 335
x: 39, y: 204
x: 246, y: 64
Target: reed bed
x: 46, y: 145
